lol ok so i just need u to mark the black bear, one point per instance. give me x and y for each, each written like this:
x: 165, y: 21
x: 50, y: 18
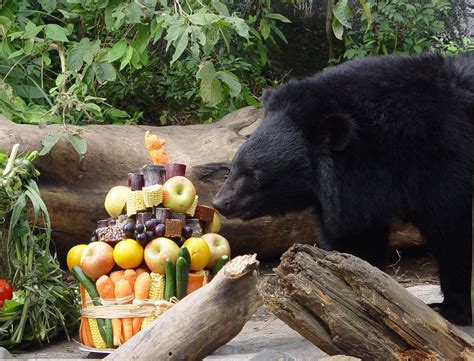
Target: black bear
x: 364, y: 143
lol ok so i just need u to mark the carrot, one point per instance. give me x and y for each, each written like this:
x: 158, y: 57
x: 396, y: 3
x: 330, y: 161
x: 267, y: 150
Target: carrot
x: 116, y: 275
x: 142, y: 289
x: 140, y: 270
x: 195, y: 282
x: 123, y: 290
x: 81, y: 328
x: 106, y: 289
x: 87, y: 334
x: 130, y: 275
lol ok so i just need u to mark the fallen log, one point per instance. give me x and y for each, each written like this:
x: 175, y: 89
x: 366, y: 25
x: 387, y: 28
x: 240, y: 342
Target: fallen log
x: 202, y: 321
x: 345, y: 306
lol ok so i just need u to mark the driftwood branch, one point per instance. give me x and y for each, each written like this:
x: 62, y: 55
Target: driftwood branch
x: 201, y: 322
x: 345, y: 306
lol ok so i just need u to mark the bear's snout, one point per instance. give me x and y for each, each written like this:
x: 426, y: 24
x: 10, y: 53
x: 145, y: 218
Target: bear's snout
x: 220, y: 204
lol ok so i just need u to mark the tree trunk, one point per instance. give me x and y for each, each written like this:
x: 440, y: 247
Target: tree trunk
x: 345, y: 306
x: 201, y: 322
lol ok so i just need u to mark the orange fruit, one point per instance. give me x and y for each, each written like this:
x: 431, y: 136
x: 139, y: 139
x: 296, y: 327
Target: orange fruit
x: 199, y: 252
x: 128, y: 253
x: 74, y: 256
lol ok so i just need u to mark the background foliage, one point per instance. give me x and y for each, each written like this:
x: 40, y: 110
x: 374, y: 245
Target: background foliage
x: 178, y: 61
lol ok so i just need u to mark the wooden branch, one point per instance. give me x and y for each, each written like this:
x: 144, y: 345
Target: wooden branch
x: 345, y: 306
x: 202, y: 321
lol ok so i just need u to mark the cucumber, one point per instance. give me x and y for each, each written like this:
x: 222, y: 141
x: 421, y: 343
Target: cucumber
x: 87, y: 283
x: 184, y: 252
x: 105, y: 325
x: 222, y: 261
x: 182, y: 271
x: 170, y: 279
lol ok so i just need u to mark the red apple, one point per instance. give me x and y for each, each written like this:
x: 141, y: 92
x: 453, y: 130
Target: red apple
x: 97, y: 259
x: 157, y: 251
x: 178, y: 194
x: 218, y: 245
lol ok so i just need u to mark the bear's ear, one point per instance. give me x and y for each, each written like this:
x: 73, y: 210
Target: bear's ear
x: 266, y: 96
x: 339, y: 130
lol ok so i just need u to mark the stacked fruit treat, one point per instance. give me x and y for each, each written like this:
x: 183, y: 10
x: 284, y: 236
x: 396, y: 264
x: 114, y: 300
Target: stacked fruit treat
x: 164, y: 246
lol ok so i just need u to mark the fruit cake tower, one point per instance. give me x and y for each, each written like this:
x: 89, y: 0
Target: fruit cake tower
x: 164, y: 247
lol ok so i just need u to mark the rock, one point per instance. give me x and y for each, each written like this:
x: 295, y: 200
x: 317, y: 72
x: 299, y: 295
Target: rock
x: 339, y: 358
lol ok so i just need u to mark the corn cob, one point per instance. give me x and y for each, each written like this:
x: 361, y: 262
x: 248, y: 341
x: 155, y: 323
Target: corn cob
x: 96, y: 337
x: 191, y: 210
x: 153, y: 195
x: 135, y: 202
x: 157, y: 292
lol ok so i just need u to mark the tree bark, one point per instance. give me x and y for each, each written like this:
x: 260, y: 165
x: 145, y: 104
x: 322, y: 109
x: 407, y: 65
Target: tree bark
x: 202, y: 321
x: 345, y: 306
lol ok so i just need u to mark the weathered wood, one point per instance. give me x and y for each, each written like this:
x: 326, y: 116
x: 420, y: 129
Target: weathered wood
x: 345, y: 306
x: 202, y: 321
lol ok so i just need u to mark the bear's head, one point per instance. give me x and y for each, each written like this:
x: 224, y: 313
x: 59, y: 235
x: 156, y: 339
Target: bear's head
x: 274, y: 171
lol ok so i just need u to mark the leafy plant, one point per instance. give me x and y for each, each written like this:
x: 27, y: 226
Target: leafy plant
x: 43, y: 304
x: 394, y: 27
x: 65, y: 59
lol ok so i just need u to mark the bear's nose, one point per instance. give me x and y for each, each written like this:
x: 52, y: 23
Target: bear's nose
x: 221, y: 205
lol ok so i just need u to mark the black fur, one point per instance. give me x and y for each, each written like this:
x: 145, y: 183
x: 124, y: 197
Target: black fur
x: 363, y: 143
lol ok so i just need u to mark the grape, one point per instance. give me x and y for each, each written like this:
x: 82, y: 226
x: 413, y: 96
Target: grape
x: 149, y: 235
x: 141, y: 237
x: 150, y: 225
x: 128, y: 229
x: 159, y: 230
x: 187, y: 232
x: 139, y: 228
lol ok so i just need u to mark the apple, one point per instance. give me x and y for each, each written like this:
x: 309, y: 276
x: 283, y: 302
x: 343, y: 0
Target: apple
x: 157, y: 251
x: 97, y: 259
x: 116, y: 200
x: 178, y: 194
x: 213, y: 226
x: 218, y: 245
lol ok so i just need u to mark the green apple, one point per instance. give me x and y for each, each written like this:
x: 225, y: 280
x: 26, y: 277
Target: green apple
x: 157, y: 251
x: 116, y: 200
x: 218, y: 245
x: 214, y: 226
x: 178, y: 194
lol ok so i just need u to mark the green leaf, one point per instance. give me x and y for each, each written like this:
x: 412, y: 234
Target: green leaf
x: 342, y: 12
x: 49, y: 142
x: 279, y: 34
x: 79, y: 144
x: 337, y: 28
x: 240, y: 26
x: 279, y: 17
x: 180, y: 46
x: 56, y: 33
x: 117, y: 51
x: 116, y: 113
x: 211, y: 91
x: 104, y: 72
x: 16, y: 53
x: 231, y: 80
x: 126, y: 58
x: 60, y: 79
x: 203, y: 19
x: 264, y: 28
x: 367, y: 12
x: 134, y: 13
x: 206, y: 71
x: 31, y: 30
x: 135, y: 61
x: 220, y: 7
x: 48, y: 5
